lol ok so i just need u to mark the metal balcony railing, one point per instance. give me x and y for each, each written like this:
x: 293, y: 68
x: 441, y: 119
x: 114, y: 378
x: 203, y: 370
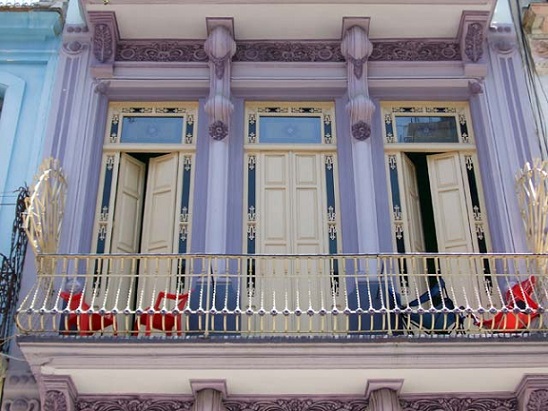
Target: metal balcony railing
x: 129, y: 296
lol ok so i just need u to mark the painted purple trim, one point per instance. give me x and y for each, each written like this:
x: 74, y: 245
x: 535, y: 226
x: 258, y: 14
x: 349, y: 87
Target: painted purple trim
x: 488, y: 169
x: 93, y: 173
x: 452, y: 403
x: 199, y: 217
x: 346, y: 179
x: 287, y: 51
x: 161, y: 50
x: 235, y: 202
x: 381, y: 183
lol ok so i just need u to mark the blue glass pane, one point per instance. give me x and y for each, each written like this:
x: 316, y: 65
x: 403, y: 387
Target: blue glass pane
x: 152, y: 130
x: 415, y: 129
x: 297, y: 130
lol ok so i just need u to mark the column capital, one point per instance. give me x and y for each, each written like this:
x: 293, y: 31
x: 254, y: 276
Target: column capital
x: 60, y: 393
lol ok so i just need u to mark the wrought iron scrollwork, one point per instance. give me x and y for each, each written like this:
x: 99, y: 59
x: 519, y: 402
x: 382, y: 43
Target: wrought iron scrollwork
x: 10, y: 270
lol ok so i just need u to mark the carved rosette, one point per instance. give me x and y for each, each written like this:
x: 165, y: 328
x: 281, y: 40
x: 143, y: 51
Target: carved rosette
x: 473, y: 42
x: 219, y: 47
x: 361, y: 130
x: 538, y: 401
x: 55, y: 401
x: 297, y: 405
x: 134, y: 405
x: 357, y: 48
x: 218, y: 130
x: 460, y: 404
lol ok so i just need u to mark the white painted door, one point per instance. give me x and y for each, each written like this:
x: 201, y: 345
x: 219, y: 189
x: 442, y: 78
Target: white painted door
x: 159, y: 221
x: 451, y: 214
x: 414, y: 286
x: 144, y: 223
x: 291, y: 208
x: 452, y: 218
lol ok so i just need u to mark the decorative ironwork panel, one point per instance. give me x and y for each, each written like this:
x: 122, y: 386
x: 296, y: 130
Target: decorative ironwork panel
x: 10, y: 271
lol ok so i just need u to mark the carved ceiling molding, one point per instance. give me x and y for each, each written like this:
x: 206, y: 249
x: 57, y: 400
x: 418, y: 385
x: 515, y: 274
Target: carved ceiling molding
x: 460, y: 404
x: 134, y: 404
x: 297, y: 405
x: 285, y: 51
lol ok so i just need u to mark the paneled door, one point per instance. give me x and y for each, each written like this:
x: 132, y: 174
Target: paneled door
x: 292, y: 219
x: 144, y: 215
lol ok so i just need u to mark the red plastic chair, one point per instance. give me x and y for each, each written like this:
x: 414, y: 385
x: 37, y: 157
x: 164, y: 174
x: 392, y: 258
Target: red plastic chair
x: 86, y: 324
x: 519, y: 296
x: 163, y: 322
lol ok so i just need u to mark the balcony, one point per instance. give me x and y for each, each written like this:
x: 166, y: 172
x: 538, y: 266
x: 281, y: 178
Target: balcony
x: 286, y: 296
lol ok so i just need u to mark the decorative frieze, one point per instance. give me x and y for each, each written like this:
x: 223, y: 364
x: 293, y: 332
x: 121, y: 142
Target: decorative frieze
x: 134, y: 404
x: 161, y: 51
x: 192, y: 51
x: 460, y: 404
x: 294, y: 404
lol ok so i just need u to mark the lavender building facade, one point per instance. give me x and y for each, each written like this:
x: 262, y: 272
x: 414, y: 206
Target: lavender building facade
x: 259, y: 193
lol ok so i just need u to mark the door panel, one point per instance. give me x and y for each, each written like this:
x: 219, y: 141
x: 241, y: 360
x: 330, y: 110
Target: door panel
x: 414, y: 217
x: 449, y: 201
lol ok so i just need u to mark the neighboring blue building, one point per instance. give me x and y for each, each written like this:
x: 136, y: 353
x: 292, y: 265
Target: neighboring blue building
x: 29, y: 49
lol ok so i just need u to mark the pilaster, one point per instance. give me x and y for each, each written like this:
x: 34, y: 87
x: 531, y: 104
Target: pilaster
x: 220, y: 47
x: 356, y: 48
x: 20, y: 391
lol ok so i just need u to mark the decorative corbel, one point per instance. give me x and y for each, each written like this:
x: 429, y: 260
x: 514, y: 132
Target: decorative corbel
x: 532, y: 392
x: 60, y: 393
x: 356, y: 49
x: 473, y: 26
x: 209, y: 394
x: 105, y: 40
x: 219, y: 47
x: 383, y: 395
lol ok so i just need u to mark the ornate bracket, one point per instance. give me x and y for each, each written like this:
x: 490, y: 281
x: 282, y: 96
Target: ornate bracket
x: 219, y: 47
x: 105, y: 40
x: 473, y: 26
x: 356, y: 49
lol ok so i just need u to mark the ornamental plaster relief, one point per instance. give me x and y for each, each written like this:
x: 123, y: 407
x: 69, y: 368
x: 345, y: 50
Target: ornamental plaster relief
x: 104, y: 43
x: 219, y: 47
